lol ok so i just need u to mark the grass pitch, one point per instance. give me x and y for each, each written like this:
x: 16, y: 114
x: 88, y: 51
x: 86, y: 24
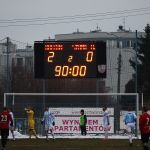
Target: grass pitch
x: 73, y: 144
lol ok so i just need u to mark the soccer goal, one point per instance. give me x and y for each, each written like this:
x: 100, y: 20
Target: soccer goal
x: 66, y: 108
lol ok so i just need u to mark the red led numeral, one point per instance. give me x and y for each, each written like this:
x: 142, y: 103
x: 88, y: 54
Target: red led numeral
x: 53, y: 47
x: 79, y: 47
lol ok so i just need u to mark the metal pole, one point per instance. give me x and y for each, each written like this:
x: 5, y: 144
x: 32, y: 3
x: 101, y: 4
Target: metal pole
x: 43, y: 94
x: 13, y: 103
x: 136, y: 62
x: 137, y: 102
x: 118, y: 91
x: 7, y: 65
x: 119, y: 72
x: 4, y: 99
x: 97, y: 91
x: 137, y: 110
x: 142, y: 99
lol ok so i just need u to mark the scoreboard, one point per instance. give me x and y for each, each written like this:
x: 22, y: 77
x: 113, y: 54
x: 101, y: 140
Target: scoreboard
x: 69, y: 59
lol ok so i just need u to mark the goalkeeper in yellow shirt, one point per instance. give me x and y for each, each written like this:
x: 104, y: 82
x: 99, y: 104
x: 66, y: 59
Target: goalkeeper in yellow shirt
x: 31, y: 122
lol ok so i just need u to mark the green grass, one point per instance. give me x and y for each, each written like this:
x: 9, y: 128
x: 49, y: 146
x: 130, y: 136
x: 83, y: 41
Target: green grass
x: 73, y: 144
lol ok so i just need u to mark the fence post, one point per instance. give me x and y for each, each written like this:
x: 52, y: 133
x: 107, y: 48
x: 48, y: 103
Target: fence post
x: 137, y: 110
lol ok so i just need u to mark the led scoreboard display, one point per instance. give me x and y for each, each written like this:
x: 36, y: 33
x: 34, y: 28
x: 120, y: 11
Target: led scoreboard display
x: 69, y: 59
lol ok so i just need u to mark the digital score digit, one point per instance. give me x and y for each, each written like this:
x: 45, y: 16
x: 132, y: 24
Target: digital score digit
x: 69, y: 59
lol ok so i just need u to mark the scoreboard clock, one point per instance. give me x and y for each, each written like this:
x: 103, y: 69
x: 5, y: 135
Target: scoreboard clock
x: 69, y: 59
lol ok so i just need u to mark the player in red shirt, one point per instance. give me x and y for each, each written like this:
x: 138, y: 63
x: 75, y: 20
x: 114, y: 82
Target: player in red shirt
x: 144, y: 125
x: 5, y: 121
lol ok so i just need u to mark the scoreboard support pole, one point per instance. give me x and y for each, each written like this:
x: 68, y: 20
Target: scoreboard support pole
x: 97, y: 91
x: 43, y: 84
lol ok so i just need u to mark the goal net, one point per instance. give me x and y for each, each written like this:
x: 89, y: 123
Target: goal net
x: 66, y: 108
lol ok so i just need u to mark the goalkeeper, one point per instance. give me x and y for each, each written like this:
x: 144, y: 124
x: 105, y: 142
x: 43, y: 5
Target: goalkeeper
x: 48, y: 121
x: 31, y: 122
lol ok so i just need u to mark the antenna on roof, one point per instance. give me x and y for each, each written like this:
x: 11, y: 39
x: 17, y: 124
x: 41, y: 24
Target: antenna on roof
x: 98, y: 28
x: 124, y: 23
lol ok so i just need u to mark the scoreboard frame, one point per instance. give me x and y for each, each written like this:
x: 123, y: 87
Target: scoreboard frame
x: 69, y: 59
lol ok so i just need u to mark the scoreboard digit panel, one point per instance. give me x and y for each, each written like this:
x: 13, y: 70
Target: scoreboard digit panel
x: 69, y: 59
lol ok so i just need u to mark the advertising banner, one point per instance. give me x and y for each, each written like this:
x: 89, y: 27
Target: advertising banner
x: 67, y: 120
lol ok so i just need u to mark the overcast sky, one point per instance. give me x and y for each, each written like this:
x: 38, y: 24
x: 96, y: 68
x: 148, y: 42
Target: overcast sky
x: 29, y: 9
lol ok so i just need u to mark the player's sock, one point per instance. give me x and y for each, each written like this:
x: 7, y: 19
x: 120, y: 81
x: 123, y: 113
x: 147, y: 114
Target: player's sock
x: 46, y: 137
x: 4, y: 142
x: 47, y: 134
x: 13, y: 135
x: 106, y: 134
x: 30, y: 133
x: 34, y: 133
x: 52, y: 134
x: 130, y: 137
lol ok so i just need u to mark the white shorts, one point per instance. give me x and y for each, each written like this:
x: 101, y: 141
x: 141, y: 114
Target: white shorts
x: 130, y: 127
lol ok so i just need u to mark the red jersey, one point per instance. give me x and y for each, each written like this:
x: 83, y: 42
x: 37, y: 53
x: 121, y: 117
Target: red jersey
x: 5, y: 119
x: 144, y: 123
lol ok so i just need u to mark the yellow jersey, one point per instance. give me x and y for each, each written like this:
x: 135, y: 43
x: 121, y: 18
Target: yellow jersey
x: 31, y: 122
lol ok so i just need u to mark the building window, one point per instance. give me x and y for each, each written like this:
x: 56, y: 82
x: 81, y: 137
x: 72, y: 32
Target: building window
x: 119, y: 44
x: 19, y: 61
x: 114, y: 43
x: 29, y: 62
x: 132, y: 43
x: 128, y: 44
